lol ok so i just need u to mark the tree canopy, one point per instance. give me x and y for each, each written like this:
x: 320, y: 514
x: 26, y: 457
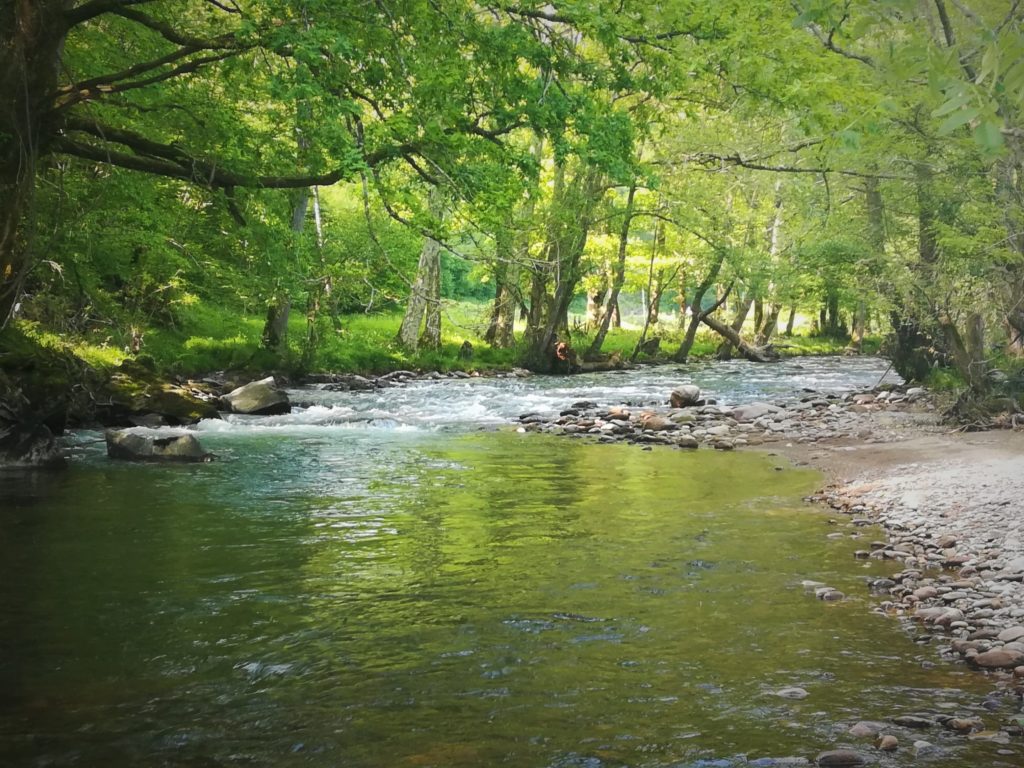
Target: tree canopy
x: 859, y: 161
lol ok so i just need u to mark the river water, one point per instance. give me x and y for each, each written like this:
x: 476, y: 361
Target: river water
x: 374, y: 580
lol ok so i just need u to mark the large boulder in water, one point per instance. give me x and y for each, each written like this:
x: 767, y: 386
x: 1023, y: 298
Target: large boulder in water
x: 133, y: 447
x: 27, y: 436
x: 29, y: 445
x: 686, y: 395
x: 258, y: 398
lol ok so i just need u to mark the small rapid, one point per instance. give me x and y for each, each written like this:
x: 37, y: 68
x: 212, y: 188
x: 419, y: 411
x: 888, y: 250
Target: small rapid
x: 469, y: 404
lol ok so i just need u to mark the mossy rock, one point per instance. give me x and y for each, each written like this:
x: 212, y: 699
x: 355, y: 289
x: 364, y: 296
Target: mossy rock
x: 136, y: 391
x: 180, y: 407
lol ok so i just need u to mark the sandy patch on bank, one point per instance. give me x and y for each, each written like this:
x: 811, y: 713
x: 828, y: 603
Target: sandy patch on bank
x: 905, y: 446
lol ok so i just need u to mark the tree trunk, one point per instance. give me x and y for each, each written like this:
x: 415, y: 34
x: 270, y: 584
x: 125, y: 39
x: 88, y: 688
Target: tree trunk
x: 501, y: 331
x: 618, y: 277
x: 425, y: 296
x: 655, y: 286
x: 431, y: 337
x: 681, y: 297
x: 791, y: 321
x: 568, y: 230
x: 769, y: 326
x: 31, y: 42
x: 1010, y: 193
x: 748, y: 350
x: 696, y: 305
x: 860, y: 318
x: 724, y: 351
x: 275, y: 327
x: 654, y: 306
x: 321, y: 285
x: 968, y: 354
x: 595, y: 308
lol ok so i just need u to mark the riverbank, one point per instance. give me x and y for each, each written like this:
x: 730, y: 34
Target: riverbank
x: 951, y: 504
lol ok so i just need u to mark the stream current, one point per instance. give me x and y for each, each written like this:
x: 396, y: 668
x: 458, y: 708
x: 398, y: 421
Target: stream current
x: 385, y: 579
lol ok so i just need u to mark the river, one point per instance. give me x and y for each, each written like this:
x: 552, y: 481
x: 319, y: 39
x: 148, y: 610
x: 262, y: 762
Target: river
x: 394, y: 578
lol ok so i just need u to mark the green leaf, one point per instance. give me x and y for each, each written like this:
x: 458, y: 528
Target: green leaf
x: 989, y: 135
x: 957, y: 120
x: 955, y: 103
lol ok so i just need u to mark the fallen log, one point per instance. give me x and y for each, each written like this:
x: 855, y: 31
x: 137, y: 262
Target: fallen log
x: 748, y: 350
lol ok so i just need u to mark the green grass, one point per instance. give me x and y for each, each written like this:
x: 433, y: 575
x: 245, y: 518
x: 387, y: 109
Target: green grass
x: 209, y: 337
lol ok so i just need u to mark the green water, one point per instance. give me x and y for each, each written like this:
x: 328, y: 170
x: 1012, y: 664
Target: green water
x: 411, y: 600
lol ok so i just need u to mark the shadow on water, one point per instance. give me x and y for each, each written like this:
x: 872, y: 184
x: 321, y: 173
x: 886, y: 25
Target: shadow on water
x: 398, y: 598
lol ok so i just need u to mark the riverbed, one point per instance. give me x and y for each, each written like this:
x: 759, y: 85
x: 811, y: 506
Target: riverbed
x: 398, y: 578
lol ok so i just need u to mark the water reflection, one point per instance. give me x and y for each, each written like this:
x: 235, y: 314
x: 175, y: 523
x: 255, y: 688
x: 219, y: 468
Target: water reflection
x: 422, y: 599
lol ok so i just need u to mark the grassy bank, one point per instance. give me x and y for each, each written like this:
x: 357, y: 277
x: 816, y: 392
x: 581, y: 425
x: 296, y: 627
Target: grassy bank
x: 206, y: 337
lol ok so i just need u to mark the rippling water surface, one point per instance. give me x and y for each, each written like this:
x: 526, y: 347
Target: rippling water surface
x: 371, y: 581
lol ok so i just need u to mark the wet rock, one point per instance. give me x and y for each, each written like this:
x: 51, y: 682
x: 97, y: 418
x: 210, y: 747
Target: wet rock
x: 914, y: 721
x: 258, y: 398
x: 866, y: 728
x: 828, y: 594
x: 963, y: 724
x: 685, y: 396
x: 840, y: 758
x: 792, y: 693
x: 997, y: 658
x: 129, y: 446
x: 925, y: 749
x: 995, y: 737
x: 1011, y: 634
x: 655, y: 422
x: 887, y: 743
x: 753, y: 411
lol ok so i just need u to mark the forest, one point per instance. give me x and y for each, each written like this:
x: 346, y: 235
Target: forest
x: 304, y: 185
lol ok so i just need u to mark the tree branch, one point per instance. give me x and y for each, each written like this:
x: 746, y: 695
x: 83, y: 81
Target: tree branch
x: 173, y: 162
x: 90, y: 92
x: 91, y: 10
x: 169, y: 33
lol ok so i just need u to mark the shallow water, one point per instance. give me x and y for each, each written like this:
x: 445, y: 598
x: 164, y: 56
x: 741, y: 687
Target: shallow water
x: 344, y: 592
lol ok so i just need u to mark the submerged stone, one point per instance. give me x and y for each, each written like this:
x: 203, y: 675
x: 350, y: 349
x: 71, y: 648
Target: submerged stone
x: 129, y: 446
x: 840, y: 758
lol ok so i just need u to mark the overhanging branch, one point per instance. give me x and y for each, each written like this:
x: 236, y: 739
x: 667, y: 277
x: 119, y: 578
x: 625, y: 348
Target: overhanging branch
x: 135, y: 152
x: 96, y: 8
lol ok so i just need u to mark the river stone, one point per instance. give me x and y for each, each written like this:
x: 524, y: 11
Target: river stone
x: 792, y: 693
x: 687, y: 441
x: 753, y: 411
x: 997, y: 658
x: 829, y: 595
x: 655, y: 422
x: 132, y: 447
x: 839, y: 758
x: 964, y: 724
x: 1011, y: 634
x: 866, y: 728
x: 887, y: 743
x: 28, y: 445
x: 684, y: 396
x: 996, y: 737
x: 923, y: 748
x: 914, y: 721
x: 258, y: 398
